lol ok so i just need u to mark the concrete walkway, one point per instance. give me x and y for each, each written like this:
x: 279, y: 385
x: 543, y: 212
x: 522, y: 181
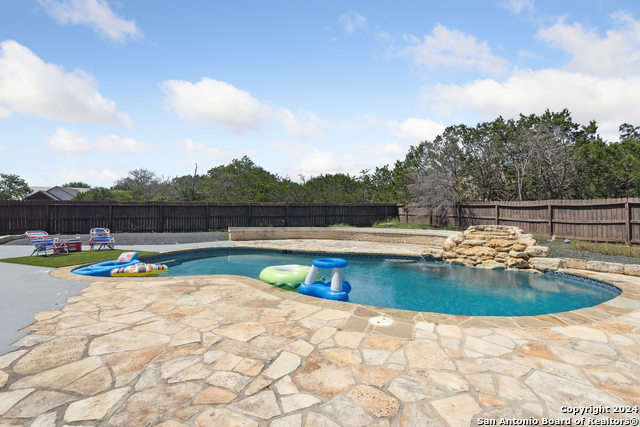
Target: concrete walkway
x: 231, y: 351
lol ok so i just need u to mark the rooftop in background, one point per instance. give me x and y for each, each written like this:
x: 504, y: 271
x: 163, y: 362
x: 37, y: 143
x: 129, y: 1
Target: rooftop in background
x: 54, y: 193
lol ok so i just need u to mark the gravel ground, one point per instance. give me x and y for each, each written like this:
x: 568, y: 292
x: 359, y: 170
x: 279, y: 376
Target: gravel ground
x: 559, y: 249
x: 123, y: 239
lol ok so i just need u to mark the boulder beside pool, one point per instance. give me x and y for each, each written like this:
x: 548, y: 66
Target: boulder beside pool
x: 337, y: 289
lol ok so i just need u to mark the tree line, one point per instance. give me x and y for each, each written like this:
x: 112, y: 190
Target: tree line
x: 532, y: 158
x: 244, y: 181
x: 535, y: 157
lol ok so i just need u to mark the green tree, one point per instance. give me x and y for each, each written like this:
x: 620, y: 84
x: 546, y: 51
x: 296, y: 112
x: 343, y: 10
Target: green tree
x: 485, y: 165
x: 609, y: 170
x: 101, y: 193
x: 334, y: 188
x: 555, y: 155
x: 76, y: 184
x: 144, y: 184
x: 13, y: 187
x: 241, y: 181
x: 439, y: 173
x: 386, y: 185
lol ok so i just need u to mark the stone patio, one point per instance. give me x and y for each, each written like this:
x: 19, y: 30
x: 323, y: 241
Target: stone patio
x: 232, y: 351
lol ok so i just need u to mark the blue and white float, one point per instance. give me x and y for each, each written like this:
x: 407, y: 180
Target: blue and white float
x: 104, y: 268
x: 337, y: 289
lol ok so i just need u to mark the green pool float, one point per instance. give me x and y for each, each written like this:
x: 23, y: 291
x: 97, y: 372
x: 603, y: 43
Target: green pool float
x: 286, y: 276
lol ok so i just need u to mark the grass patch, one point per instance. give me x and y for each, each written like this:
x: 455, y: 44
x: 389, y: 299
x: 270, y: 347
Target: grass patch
x: 542, y: 239
x: 74, y: 258
x: 607, y: 248
x: 341, y: 225
x: 395, y: 223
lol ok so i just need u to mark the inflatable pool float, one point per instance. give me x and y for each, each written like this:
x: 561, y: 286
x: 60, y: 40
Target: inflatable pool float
x: 140, y: 269
x: 286, y: 276
x: 337, y: 289
x: 104, y: 268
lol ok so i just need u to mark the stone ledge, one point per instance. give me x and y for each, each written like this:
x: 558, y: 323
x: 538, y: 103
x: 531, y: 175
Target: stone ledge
x: 5, y: 239
x: 382, y: 235
x: 603, y: 267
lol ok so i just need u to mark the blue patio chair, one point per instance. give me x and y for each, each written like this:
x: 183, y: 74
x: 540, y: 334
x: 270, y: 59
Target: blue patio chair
x: 101, y: 237
x: 44, y: 244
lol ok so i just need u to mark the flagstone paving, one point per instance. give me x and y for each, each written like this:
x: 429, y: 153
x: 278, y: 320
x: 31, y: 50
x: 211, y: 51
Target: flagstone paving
x: 232, y: 351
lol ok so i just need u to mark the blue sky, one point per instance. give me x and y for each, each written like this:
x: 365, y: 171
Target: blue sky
x: 91, y: 89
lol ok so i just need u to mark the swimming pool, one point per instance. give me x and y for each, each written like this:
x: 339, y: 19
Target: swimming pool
x: 413, y: 284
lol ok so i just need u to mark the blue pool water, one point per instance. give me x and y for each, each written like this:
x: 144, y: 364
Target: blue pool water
x: 419, y: 285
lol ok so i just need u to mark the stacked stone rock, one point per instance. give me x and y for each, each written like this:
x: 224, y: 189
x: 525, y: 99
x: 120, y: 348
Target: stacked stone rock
x: 494, y: 247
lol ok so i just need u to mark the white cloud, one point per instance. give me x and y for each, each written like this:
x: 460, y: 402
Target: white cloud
x: 28, y: 85
x: 610, y: 101
x: 351, y: 20
x: 360, y: 124
x: 203, y: 155
x: 3, y: 148
x: 617, y: 54
x: 4, y: 112
x: 525, y: 54
x: 95, y: 13
x: 517, y: 6
x: 72, y: 142
x: 69, y: 141
x: 317, y: 162
x: 115, y: 144
x: 89, y: 172
x: 196, y: 150
x: 310, y: 161
x: 216, y: 102
x: 219, y: 103
x: 69, y: 175
x: 446, y: 48
x: 416, y: 129
x: 104, y: 175
x: 307, y: 127
x: 370, y: 156
x: 412, y: 128
x: 293, y: 148
x: 601, y: 81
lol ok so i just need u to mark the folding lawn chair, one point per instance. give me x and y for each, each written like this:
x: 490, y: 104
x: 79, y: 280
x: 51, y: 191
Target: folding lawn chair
x: 43, y: 244
x: 101, y: 237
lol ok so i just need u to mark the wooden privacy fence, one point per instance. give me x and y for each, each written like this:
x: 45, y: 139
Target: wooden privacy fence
x: 606, y: 220
x: 79, y: 217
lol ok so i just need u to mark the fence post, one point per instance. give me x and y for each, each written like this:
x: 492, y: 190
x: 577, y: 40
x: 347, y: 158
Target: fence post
x: 161, y: 225
x: 550, y: 209
x: 286, y: 215
x: 47, y: 220
x: 627, y: 219
x: 249, y: 215
x: 458, y: 212
x: 110, y: 220
x: 349, y: 209
x: 497, y: 215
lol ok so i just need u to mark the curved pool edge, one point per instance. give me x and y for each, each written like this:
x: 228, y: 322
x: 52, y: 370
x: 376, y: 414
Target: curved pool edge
x: 405, y: 320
